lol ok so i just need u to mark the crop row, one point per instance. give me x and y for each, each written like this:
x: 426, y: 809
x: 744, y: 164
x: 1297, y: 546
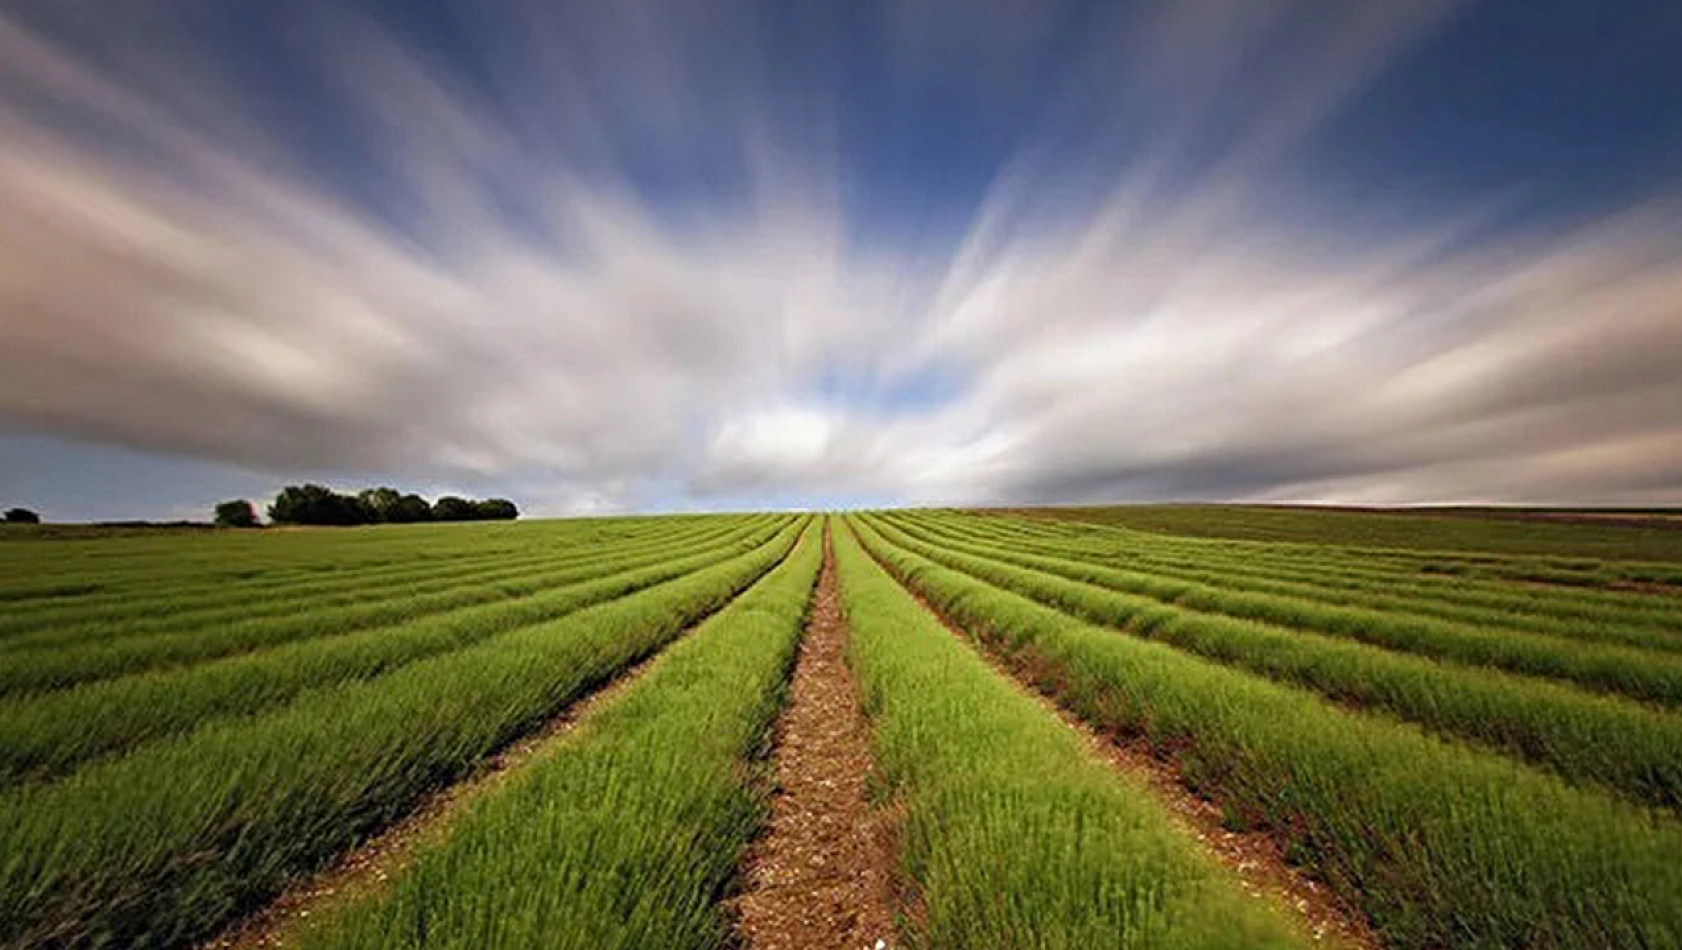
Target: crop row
x: 626, y: 835
x: 49, y: 735
x: 1014, y: 833
x: 212, y: 562
x: 48, y: 670
x: 1589, y: 553
x: 159, y: 847
x: 169, y: 607
x: 1633, y: 672
x: 1441, y: 844
x: 1331, y: 573
x: 1583, y: 737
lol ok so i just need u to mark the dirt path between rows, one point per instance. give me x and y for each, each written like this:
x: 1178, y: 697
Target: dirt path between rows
x: 1254, y: 857
x: 822, y: 875
x: 369, y: 869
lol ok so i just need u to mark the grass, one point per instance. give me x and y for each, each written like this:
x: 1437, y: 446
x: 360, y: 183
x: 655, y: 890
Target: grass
x: 175, y: 604
x: 41, y: 670
x: 160, y: 847
x: 1400, y: 583
x: 1613, y: 668
x: 627, y: 835
x: 1441, y: 844
x: 1438, y: 530
x: 1471, y: 743
x: 1014, y: 833
x: 47, y: 736
x: 1621, y: 745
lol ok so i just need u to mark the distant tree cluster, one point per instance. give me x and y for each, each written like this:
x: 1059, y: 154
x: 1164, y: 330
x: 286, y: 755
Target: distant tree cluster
x: 319, y: 505
x: 236, y: 514
x: 21, y: 516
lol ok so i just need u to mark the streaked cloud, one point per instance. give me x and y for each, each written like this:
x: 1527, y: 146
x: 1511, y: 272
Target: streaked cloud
x: 629, y: 254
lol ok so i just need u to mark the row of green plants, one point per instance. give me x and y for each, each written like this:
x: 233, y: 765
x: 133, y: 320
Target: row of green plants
x: 171, y: 610
x: 1639, y: 619
x: 1621, y: 745
x: 161, y: 847
x: 115, y: 566
x: 1525, y: 602
x: 1013, y: 833
x: 1607, y: 623
x: 628, y: 834
x: 166, y: 602
x: 1641, y: 674
x: 1441, y: 844
x: 48, y: 736
x: 1489, y: 532
x: 1634, y: 619
x: 46, y: 670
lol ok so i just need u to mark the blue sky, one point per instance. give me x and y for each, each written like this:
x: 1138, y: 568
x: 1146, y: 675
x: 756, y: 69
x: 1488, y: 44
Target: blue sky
x: 656, y: 255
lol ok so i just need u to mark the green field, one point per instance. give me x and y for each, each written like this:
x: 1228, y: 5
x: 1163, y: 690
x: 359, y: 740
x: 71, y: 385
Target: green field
x: 1625, y: 534
x: 1465, y: 728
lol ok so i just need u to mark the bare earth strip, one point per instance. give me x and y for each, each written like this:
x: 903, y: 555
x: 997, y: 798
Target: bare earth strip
x: 1257, y: 859
x: 367, y: 870
x: 822, y: 874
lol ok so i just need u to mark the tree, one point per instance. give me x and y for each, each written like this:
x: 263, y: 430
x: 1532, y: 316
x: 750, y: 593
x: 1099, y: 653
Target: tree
x: 380, y: 502
x: 22, y: 516
x: 316, y: 504
x: 496, y: 509
x: 408, y: 510
x: 452, y: 508
x: 238, y: 513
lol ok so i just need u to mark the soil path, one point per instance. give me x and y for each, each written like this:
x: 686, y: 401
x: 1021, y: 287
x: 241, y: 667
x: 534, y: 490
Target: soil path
x: 363, y: 872
x: 821, y: 877
x: 1255, y: 857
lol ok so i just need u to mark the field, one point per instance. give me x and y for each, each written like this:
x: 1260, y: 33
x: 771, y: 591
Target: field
x: 1158, y: 727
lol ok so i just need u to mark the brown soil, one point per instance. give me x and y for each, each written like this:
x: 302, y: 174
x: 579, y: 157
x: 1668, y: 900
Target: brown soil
x: 822, y: 876
x: 1254, y: 857
x: 367, y: 870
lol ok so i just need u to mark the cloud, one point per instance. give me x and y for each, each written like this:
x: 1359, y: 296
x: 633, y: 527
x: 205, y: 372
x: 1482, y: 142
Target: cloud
x: 620, y: 254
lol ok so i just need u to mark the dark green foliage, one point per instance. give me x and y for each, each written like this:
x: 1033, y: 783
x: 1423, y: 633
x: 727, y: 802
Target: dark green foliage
x: 238, y: 513
x: 22, y: 516
x: 379, y: 502
x: 409, y: 509
x: 316, y: 505
x: 453, y: 508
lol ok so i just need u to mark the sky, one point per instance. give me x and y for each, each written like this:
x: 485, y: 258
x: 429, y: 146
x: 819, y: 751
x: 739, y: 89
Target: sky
x: 654, y: 255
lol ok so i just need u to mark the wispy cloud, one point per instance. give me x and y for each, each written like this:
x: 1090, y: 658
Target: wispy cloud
x: 613, y: 252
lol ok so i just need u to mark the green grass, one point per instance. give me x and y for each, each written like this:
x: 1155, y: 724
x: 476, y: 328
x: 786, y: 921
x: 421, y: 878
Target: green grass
x: 1337, y: 572
x: 1621, y: 745
x: 45, y: 736
x: 1441, y: 844
x: 628, y: 834
x: 1467, y: 739
x: 160, y: 847
x: 1014, y: 833
x: 1412, y: 530
x: 167, y: 603
x: 48, y: 669
x: 1613, y: 668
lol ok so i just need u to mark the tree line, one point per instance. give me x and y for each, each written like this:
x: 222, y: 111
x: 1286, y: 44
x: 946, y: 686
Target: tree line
x: 318, y: 505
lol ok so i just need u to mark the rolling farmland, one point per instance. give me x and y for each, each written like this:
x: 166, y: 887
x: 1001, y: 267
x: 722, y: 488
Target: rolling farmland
x: 939, y: 728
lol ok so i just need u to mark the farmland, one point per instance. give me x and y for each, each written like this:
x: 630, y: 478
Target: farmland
x: 940, y: 728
